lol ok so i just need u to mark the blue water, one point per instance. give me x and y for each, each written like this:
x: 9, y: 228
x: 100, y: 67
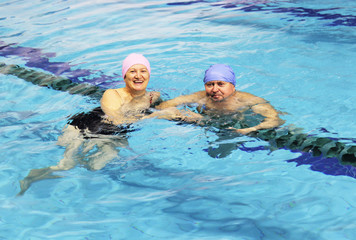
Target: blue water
x: 299, y: 55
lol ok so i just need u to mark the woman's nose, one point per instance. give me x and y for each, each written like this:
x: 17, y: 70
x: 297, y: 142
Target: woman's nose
x: 139, y: 74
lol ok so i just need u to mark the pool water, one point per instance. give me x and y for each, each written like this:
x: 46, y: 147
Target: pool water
x: 299, y: 55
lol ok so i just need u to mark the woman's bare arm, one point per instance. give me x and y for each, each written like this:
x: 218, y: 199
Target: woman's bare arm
x: 111, y: 104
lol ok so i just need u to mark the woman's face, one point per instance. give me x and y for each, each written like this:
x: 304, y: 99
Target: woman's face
x: 137, y: 77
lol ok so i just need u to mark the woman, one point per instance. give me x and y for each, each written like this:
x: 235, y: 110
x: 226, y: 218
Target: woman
x: 99, y: 133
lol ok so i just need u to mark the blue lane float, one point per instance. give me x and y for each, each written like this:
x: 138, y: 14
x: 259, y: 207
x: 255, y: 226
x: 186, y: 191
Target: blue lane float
x: 36, y: 58
x: 51, y: 81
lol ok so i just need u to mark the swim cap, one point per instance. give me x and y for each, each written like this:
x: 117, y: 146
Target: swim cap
x: 133, y: 59
x: 220, y: 72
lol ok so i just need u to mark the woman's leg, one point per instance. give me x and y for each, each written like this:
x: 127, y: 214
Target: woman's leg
x: 72, y: 140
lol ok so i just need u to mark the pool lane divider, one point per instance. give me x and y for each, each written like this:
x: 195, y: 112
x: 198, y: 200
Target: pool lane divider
x: 317, y: 146
x: 51, y: 81
x: 278, y: 138
x: 37, y: 59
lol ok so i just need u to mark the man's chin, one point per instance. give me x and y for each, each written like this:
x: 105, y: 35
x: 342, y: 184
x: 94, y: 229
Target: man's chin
x: 219, y: 99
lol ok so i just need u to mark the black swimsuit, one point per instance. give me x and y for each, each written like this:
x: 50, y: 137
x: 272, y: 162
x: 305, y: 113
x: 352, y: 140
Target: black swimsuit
x: 93, y: 121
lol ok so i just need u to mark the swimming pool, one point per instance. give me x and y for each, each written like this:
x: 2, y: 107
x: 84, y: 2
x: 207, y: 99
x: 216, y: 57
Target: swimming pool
x: 298, y: 55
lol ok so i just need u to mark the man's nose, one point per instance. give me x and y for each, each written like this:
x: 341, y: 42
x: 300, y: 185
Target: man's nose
x: 215, y: 88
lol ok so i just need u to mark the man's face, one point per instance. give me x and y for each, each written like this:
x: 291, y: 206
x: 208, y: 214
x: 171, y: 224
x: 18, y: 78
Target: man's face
x: 219, y: 90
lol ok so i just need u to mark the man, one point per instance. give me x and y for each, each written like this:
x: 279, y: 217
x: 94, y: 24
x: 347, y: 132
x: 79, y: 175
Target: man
x: 221, y: 99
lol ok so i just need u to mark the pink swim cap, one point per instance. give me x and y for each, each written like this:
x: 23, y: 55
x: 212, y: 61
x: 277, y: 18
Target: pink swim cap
x: 133, y: 59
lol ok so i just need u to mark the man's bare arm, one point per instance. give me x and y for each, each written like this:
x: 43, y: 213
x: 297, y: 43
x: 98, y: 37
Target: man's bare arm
x: 185, y: 99
x: 272, y: 118
x: 266, y: 110
x: 175, y: 114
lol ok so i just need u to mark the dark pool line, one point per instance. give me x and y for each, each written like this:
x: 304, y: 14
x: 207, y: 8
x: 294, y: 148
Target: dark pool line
x: 328, y: 166
x: 36, y: 58
x: 299, y: 12
x: 186, y: 3
x: 353, y: 140
x: 323, y: 154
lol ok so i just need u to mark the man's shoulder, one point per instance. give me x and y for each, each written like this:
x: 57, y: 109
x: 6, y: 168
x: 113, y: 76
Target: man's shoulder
x: 243, y: 94
x: 248, y: 97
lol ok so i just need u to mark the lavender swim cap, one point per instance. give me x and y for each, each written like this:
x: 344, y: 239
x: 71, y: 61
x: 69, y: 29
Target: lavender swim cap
x: 220, y: 72
x: 132, y: 59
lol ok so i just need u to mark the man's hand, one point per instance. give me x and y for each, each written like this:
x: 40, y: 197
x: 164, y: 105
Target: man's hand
x: 246, y: 131
x: 173, y: 113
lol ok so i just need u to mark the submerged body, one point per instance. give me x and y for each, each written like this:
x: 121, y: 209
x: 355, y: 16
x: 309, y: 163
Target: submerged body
x: 93, y: 139
x: 220, y: 98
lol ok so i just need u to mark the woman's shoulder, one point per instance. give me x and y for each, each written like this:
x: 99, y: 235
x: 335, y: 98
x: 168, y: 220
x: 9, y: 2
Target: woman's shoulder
x: 115, y: 93
x: 155, y: 94
x: 112, y: 91
x: 155, y: 98
x: 112, y: 98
